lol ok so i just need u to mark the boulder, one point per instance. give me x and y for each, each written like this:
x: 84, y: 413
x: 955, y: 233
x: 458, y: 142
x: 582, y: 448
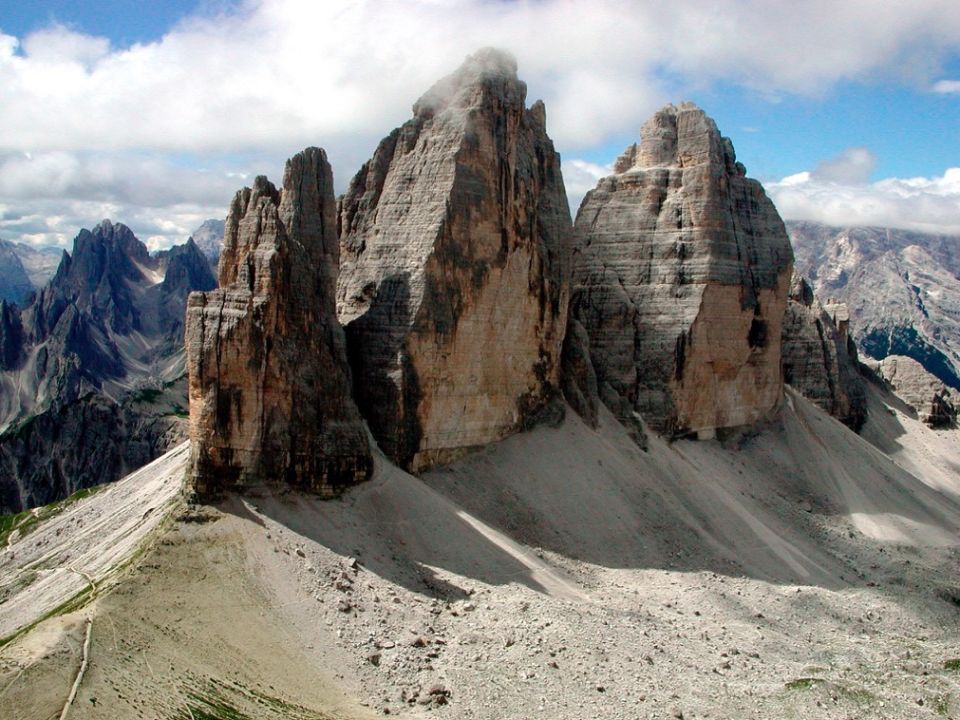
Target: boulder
x: 934, y: 402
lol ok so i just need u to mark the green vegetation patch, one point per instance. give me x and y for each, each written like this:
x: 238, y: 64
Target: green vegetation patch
x: 146, y: 395
x: 952, y: 664
x: 804, y: 683
x: 210, y: 707
x: 210, y: 700
x: 27, y: 520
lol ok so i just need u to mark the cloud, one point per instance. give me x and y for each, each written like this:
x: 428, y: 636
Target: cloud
x: 579, y: 178
x: 279, y: 73
x: 946, y: 87
x: 853, y: 166
x: 922, y: 204
x: 261, y: 79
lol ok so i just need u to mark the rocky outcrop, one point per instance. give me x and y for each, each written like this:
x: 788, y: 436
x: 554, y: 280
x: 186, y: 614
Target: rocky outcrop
x: 266, y: 358
x: 209, y: 238
x: 681, y: 273
x: 934, y: 403
x: 105, y: 333
x: 819, y: 356
x: 15, y: 285
x: 91, y: 441
x: 453, y: 289
x: 902, y: 288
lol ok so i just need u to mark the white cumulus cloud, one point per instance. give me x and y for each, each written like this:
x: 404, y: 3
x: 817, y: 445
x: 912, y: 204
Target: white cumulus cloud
x: 263, y: 78
x: 925, y: 204
x: 947, y: 87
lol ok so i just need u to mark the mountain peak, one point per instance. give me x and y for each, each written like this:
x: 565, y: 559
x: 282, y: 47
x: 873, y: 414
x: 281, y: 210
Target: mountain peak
x: 488, y: 72
x: 680, y: 136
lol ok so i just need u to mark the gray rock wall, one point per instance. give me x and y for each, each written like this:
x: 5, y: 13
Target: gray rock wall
x: 455, y: 260
x: 819, y: 357
x: 681, y: 272
x: 269, y: 382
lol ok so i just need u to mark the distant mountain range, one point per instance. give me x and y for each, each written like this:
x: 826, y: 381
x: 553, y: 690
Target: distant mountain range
x: 902, y: 288
x: 209, y: 238
x: 25, y: 269
x: 92, y: 366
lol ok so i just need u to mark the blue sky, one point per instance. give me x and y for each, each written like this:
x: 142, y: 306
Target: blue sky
x: 153, y: 113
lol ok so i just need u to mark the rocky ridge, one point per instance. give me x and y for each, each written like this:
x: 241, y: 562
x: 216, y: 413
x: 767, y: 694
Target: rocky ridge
x: 101, y: 343
x: 15, y: 285
x: 681, y: 274
x: 455, y: 243
x: 902, y: 288
x: 209, y: 238
x: 266, y: 358
x: 819, y: 355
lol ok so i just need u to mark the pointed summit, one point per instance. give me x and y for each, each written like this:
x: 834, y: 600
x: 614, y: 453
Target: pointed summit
x: 266, y: 358
x: 453, y: 289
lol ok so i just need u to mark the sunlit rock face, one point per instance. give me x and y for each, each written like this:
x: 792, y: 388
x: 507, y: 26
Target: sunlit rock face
x: 681, y: 272
x: 455, y: 241
x: 268, y: 375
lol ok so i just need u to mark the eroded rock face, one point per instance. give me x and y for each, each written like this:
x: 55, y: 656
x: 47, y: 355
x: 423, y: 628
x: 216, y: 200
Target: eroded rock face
x: 102, y: 341
x: 820, y: 358
x: 902, y: 288
x: 453, y: 288
x: 681, y: 272
x: 268, y: 376
x: 934, y: 403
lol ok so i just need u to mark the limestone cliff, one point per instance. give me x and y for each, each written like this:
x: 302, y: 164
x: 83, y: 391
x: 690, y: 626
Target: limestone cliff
x: 819, y: 356
x: 681, y: 273
x: 268, y: 376
x: 935, y: 404
x: 453, y: 289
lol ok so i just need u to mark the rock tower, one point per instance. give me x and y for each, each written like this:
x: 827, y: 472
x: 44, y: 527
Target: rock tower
x: 266, y: 358
x: 455, y: 242
x: 681, y: 274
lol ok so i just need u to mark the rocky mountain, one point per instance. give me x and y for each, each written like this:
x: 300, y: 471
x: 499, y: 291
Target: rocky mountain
x: 902, y: 288
x: 756, y: 559
x: 270, y: 389
x: 681, y: 274
x: 209, y: 238
x: 25, y: 269
x: 40, y: 263
x: 934, y: 403
x: 819, y: 356
x: 107, y: 330
x: 15, y: 285
x: 455, y: 242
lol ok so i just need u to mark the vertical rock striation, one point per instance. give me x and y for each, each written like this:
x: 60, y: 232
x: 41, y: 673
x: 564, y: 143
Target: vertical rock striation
x: 681, y: 273
x: 268, y: 376
x: 455, y: 242
x: 820, y: 358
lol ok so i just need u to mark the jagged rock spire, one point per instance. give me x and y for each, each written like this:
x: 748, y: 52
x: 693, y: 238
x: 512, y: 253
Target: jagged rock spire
x: 269, y: 382
x: 455, y: 258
